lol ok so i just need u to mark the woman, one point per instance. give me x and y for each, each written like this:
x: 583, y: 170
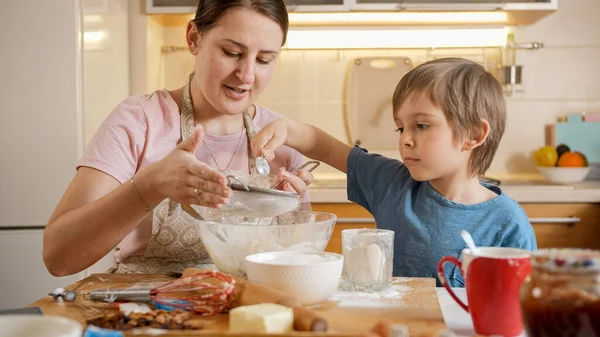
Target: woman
x: 156, y: 151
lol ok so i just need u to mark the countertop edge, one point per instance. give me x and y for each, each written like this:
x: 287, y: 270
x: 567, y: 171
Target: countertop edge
x: 521, y: 194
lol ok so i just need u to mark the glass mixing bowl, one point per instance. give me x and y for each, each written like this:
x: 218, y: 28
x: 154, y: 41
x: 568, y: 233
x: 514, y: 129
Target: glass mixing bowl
x: 229, y: 239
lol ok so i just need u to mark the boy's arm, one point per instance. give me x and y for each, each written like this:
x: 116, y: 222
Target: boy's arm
x: 310, y: 141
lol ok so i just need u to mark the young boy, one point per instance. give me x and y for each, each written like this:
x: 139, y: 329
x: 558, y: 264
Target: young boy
x: 450, y: 116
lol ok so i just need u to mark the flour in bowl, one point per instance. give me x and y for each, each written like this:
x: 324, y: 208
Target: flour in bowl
x: 298, y: 259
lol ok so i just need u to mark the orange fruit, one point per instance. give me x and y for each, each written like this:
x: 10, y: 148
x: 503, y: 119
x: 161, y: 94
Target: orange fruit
x: 571, y: 159
x: 585, y: 160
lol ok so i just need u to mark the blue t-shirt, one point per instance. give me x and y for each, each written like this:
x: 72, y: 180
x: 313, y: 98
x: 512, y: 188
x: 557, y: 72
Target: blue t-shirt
x: 427, y: 226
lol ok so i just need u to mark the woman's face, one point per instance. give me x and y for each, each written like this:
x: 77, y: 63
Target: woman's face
x: 235, y: 60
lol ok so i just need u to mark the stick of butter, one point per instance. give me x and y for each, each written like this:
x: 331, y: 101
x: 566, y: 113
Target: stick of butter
x: 261, y: 318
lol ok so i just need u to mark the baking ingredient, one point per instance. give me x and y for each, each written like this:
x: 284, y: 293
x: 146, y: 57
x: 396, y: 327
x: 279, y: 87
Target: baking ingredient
x: 131, y: 307
x: 160, y: 319
x: 261, y: 318
x: 572, y: 159
x: 365, y: 263
x: 546, y: 156
x: 296, y: 259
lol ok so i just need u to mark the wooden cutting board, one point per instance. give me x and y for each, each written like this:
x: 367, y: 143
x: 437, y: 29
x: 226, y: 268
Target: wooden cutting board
x: 370, y: 85
x: 581, y: 133
x: 410, y: 301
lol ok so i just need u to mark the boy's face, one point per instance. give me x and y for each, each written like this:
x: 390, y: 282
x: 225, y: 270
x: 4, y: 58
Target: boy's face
x: 426, y: 141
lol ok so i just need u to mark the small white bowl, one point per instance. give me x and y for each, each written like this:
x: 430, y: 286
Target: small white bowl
x: 310, y: 278
x: 39, y: 326
x: 564, y: 175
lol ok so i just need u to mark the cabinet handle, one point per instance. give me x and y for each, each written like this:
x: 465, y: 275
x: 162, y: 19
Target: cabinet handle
x: 567, y: 220
x: 355, y: 220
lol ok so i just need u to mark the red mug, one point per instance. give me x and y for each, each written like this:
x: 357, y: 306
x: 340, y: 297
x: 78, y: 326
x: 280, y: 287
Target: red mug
x: 492, y: 280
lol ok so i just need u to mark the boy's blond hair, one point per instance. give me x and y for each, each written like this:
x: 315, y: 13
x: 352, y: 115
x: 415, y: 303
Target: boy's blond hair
x: 466, y: 93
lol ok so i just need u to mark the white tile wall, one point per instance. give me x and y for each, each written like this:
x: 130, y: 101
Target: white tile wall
x: 561, y: 78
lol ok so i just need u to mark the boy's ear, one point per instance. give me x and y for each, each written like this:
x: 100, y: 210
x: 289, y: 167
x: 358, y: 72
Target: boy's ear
x: 478, y: 136
x: 192, y: 37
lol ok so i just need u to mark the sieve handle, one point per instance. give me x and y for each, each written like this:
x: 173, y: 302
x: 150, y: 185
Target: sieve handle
x: 315, y: 165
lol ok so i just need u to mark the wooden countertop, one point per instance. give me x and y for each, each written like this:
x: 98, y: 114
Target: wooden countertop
x: 411, y: 301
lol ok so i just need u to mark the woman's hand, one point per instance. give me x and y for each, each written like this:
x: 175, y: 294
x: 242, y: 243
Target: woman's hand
x: 296, y: 182
x: 183, y: 178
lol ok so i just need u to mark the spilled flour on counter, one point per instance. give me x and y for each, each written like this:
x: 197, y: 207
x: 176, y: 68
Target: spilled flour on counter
x: 382, y: 299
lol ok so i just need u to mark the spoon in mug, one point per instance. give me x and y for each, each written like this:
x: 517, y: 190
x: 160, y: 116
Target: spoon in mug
x: 466, y: 236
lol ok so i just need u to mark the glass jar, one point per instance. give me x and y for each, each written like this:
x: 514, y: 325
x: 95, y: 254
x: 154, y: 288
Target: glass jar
x: 561, y: 296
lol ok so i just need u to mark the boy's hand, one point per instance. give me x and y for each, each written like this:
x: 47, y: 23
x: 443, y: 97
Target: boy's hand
x: 269, y: 138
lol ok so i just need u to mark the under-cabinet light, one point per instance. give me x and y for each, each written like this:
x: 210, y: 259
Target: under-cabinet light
x: 394, y: 38
x: 394, y: 18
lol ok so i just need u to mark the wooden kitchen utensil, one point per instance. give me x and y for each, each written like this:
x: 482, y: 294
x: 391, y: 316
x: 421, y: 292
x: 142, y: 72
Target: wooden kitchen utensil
x: 368, y: 114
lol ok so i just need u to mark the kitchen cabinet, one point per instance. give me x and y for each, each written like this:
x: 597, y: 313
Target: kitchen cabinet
x: 523, y: 9
x: 171, y: 6
x: 43, y: 130
x: 555, y: 224
x: 317, y: 5
x: 393, y: 5
x: 40, y: 136
x: 189, y: 6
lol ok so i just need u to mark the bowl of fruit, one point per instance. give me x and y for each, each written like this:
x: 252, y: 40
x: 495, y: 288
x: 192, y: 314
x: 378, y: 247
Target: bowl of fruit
x: 561, y: 165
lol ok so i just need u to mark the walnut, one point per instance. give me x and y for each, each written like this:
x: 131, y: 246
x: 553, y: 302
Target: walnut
x: 162, y: 319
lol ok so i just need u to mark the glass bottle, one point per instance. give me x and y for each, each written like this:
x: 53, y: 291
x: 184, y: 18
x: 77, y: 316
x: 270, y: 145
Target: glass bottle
x: 561, y: 297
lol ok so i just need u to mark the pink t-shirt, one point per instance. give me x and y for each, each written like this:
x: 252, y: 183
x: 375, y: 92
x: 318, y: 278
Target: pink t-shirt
x: 145, y: 128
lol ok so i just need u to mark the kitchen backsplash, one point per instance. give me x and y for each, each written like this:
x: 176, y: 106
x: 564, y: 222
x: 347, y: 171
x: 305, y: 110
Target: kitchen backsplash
x: 558, y: 79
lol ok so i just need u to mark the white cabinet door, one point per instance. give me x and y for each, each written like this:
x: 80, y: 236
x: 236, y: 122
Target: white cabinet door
x: 40, y: 107
x: 40, y: 135
x: 24, y: 277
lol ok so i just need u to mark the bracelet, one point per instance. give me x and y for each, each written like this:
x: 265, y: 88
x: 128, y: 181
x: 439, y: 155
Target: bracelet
x: 139, y: 196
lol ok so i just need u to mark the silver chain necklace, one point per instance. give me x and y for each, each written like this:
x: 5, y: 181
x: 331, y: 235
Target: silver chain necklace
x: 232, y: 156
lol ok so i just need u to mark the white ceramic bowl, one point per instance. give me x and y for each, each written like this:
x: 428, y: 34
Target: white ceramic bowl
x: 564, y: 175
x: 39, y: 326
x: 310, y: 278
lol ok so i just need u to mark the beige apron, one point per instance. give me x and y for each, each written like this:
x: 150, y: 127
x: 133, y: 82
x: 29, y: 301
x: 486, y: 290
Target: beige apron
x: 175, y: 243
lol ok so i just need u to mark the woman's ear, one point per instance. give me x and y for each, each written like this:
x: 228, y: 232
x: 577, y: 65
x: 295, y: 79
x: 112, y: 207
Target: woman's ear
x: 478, y: 136
x: 192, y: 37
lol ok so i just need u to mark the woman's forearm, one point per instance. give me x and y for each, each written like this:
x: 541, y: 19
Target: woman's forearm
x: 77, y: 238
